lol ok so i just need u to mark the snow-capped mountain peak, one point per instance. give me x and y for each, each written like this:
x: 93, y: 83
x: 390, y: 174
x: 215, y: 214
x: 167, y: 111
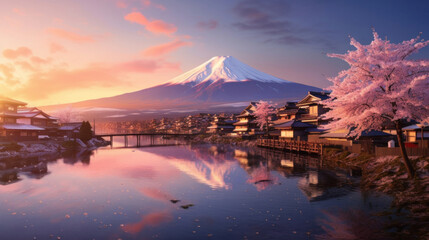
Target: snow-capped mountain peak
x: 225, y: 68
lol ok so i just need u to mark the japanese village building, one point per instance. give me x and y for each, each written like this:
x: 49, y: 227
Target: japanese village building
x: 290, y: 111
x: 246, y: 125
x: 313, y: 108
x: 417, y: 133
x: 36, y: 117
x: 294, y: 130
x: 10, y: 128
x: 221, y: 125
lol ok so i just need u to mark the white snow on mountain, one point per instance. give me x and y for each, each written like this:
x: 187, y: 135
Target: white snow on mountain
x: 224, y: 68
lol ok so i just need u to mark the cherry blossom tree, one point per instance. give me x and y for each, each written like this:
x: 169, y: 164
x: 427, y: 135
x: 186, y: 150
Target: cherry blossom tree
x: 67, y: 114
x: 383, y: 85
x: 263, y: 114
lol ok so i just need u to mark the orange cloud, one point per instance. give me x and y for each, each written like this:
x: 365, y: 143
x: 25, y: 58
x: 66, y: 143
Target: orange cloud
x: 7, y: 75
x: 25, y: 65
x: 152, y: 219
x: 57, y: 80
x: 19, y: 52
x: 165, y: 48
x: 71, y: 36
x: 39, y: 60
x: 155, y: 26
x: 54, y: 48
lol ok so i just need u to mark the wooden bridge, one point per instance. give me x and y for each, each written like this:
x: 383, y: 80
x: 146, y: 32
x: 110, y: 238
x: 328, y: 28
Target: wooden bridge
x: 139, y: 135
x: 291, y: 145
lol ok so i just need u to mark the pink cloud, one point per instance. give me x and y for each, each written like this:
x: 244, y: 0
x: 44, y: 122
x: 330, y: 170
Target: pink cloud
x: 71, y: 36
x: 18, y: 11
x: 55, y: 47
x: 58, y: 21
x: 19, y: 52
x: 165, y: 48
x: 148, y: 3
x: 121, y: 4
x: 147, y: 66
x: 136, y: 17
x: 210, y: 25
x: 155, y: 26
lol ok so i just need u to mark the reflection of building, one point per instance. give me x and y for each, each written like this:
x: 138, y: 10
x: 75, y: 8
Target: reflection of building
x: 322, y: 185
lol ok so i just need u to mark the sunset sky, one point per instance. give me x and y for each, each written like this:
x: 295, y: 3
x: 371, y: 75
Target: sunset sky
x: 65, y: 51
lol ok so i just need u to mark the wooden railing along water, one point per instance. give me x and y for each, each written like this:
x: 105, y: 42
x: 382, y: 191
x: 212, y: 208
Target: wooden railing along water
x: 138, y: 137
x: 292, y: 145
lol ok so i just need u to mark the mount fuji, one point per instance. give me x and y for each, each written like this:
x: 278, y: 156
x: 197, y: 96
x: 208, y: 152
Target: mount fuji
x: 216, y: 85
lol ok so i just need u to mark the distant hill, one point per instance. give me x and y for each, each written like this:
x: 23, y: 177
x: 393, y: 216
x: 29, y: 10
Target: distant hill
x: 222, y: 83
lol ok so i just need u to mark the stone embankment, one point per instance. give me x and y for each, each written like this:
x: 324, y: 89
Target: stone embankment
x: 41, y: 148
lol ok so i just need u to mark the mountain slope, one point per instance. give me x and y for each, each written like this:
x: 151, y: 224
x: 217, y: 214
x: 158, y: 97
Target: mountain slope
x: 219, y: 81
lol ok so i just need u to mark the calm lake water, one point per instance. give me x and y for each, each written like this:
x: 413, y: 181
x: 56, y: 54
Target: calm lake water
x: 181, y: 192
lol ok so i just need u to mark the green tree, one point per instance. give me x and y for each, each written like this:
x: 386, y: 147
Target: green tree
x: 85, y: 131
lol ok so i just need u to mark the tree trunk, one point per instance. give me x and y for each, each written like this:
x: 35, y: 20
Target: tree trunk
x: 407, y: 162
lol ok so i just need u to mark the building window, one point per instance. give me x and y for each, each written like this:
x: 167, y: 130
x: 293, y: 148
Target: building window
x: 23, y: 134
x: 411, y: 136
x: 313, y: 110
x: 287, y: 133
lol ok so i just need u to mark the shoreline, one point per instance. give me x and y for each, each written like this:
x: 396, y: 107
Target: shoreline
x: 49, y: 148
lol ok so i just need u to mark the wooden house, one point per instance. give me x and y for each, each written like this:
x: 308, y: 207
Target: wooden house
x: 417, y: 133
x: 70, y: 130
x: 313, y: 108
x: 246, y: 125
x: 289, y: 111
x: 294, y: 130
x: 10, y: 128
x: 36, y: 117
x: 221, y: 125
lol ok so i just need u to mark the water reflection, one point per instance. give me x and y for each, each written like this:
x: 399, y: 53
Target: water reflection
x: 187, y: 192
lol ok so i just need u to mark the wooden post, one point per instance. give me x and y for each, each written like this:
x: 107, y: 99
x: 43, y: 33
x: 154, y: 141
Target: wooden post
x: 111, y: 141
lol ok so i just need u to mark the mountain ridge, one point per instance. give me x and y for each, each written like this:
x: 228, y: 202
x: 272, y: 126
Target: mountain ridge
x: 220, y: 81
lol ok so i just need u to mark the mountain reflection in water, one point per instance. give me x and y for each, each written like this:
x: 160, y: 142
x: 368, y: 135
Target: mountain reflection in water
x: 178, y: 192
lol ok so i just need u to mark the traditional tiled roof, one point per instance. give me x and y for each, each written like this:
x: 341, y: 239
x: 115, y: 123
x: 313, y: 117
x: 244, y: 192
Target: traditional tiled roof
x: 313, y: 97
x: 17, y: 126
x: 10, y: 100
x: 9, y: 114
x: 293, y: 124
x: 415, y: 127
x: 321, y: 95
